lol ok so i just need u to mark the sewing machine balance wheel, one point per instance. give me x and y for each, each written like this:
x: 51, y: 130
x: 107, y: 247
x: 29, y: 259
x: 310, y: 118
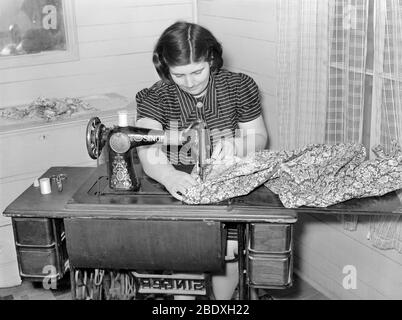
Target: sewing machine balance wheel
x: 94, y: 135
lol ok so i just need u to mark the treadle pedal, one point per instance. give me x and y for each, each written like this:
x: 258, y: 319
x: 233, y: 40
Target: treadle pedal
x: 264, y: 295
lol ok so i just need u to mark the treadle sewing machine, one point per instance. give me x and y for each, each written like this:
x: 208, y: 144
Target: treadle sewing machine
x: 162, y: 248
x: 113, y: 222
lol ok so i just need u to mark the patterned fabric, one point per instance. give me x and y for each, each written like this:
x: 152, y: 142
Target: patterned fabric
x: 317, y: 175
x: 324, y: 175
x: 49, y: 109
x: 239, y: 176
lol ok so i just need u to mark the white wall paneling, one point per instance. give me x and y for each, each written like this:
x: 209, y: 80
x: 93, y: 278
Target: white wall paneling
x: 323, y: 248
x: 248, y: 33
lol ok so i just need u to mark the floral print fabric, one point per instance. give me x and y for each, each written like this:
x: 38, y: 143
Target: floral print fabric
x: 317, y: 175
x: 234, y: 177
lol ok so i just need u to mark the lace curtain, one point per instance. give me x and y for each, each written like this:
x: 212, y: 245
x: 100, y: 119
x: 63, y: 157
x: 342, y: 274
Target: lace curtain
x: 386, y: 231
x: 302, y: 64
x: 387, y: 88
x: 340, y: 80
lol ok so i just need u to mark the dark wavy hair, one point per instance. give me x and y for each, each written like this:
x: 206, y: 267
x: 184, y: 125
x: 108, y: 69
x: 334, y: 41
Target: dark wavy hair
x: 184, y: 43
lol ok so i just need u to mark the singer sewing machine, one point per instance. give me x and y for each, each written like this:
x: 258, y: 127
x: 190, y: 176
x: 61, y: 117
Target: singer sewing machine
x: 193, y: 247
x: 120, y: 143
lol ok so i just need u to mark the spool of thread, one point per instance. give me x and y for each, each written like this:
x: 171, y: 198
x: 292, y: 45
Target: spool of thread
x: 123, y: 118
x: 45, y: 187
x: 36, y: 183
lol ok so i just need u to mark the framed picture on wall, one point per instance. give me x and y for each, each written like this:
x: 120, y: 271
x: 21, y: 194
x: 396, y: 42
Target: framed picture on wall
x: 36, y: 32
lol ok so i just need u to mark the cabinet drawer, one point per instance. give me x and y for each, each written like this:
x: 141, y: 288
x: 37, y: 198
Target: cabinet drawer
x: 270, y: 238
x: 33, y: 231
x: 37, y: 262
x: 270, y: 271
x: 44, y: 147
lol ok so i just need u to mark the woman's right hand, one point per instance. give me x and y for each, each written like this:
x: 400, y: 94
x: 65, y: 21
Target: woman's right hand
x: 177, y: 182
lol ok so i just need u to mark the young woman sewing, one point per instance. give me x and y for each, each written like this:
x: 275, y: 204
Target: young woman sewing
x: 193, y: 84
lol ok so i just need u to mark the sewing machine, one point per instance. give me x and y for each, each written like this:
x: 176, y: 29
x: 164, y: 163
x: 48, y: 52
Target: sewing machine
x: 120, y: 142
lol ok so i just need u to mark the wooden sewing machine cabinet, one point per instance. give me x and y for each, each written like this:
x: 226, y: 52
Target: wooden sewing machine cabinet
x: 87, y: 226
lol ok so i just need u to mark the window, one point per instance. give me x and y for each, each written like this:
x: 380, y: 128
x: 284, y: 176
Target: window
x: 365, y: 90
x: 36, y: 32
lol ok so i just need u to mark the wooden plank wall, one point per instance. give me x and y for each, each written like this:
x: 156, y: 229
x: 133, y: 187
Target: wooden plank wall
x: 323, y: 248
x: 247, y: 31
x: 115, y: 38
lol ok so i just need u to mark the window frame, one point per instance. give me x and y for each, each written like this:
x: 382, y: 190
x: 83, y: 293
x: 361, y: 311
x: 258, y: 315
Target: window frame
x: 49, y: 57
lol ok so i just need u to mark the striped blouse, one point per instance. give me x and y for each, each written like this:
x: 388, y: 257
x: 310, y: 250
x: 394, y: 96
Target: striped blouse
x: 231, y: 98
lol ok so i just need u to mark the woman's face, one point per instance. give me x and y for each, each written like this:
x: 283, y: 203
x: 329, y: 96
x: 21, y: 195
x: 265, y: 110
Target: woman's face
x: 192, y: 78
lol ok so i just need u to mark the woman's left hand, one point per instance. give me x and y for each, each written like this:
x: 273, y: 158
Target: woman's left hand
x: 224, y: 149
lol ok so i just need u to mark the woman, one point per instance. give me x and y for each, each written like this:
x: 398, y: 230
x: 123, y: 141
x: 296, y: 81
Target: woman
x: 193, y: 85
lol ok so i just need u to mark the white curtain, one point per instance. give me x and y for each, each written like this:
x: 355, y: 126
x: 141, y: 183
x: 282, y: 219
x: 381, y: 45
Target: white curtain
x: 387, y: 89
x: 302, y: 64
x: 386, y: 231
